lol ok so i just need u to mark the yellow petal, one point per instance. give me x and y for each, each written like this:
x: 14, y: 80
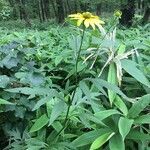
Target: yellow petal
x: 87, y: 23
x: 75, y: 15
x: 93, y: 25
x: 100, y: 21
x: 74, y: 18
x: 79, y: 22
x: 99, y: 25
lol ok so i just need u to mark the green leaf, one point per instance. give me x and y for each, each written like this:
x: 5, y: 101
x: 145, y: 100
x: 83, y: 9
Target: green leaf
x: 36, y: 78
x: 57, y: 126
x: 88, y: 138
x: 145, y: 119
x: 10, y: 62
x: 130, y: 67
x: 4, y: 102
x: 138, y: 106
x: 32, y: 91
x: 106, y: 113
x: 49, y: 108
x: 52, y: 93
x: 124, y: 126
x: 101, y: 140
x: 116, y: 143
x: 4, y: 80
x: 58, y: 59
x: 85, y: 90
x: 56, y: 111
x: 74, y: 42
x: 136, y: 135
x: 121, y: 49
x: 112, y: 78
x: 99, y: 83
x: 121, y: 105
x: 39, y: 123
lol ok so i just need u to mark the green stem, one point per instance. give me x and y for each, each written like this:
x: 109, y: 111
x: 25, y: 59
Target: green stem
x: 76, y: 84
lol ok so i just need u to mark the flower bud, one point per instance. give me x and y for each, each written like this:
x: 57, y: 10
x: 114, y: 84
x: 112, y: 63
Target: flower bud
x: 118, y: 13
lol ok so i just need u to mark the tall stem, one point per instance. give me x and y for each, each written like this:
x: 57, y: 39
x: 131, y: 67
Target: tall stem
x: 78, y: 56
x: 76, y: 84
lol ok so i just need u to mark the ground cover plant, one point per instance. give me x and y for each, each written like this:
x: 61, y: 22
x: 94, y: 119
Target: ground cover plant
x: 75, y: 88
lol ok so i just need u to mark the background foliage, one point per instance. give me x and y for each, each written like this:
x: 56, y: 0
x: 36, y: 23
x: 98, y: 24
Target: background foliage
x: 37, y: 78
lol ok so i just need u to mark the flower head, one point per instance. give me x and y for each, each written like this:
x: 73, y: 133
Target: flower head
x: 118, y: 13
x: 87, y: 18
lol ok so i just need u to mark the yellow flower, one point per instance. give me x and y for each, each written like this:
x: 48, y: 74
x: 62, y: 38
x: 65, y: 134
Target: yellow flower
x: 87, y: 18
x: 118, y: 13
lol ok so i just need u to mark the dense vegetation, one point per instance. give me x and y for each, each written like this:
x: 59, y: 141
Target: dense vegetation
x: 64, y: 87
x: 45, y: 10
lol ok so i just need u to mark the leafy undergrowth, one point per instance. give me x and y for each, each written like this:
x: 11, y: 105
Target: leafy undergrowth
x: 37, y: 81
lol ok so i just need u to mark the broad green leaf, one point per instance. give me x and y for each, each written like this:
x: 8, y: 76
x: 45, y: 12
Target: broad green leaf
x: 10, y: 62
x: 95, y: 120
x: 112, y: 78
x: 56, y: 111
x: 101, y: 140
x: 4, y: 80
x: 69, y: 136
x: 116, y: 143
x: 137, y: 135
x: 4, y: 102
x: 130, y: 67
x: 124, y: 126
x: 121, y: 105
x: 138, y: 106
x: 39, y: 123
x: 36, y: 78
x: 145, y: 119
x: 89, y: 137
x: 106, y: 113
x: 57, y: 126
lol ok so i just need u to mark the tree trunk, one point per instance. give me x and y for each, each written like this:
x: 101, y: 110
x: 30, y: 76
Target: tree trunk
x: 76, y: 6
x: 65, y: 8
x: 40, y: 11
x: 47, y: 9
x: 60, y: 11
x: 68, y: 5
x: 128, y: 12
x: 23, y: 13
x: 83, y: 7
x: 146, y: 17
x: 54, y: 8
x: 98, y: 9
x: 43, y: 10
x: 14, y: 12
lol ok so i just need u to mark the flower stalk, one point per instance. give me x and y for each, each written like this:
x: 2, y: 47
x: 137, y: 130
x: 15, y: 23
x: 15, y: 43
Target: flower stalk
x: 76, y: 84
